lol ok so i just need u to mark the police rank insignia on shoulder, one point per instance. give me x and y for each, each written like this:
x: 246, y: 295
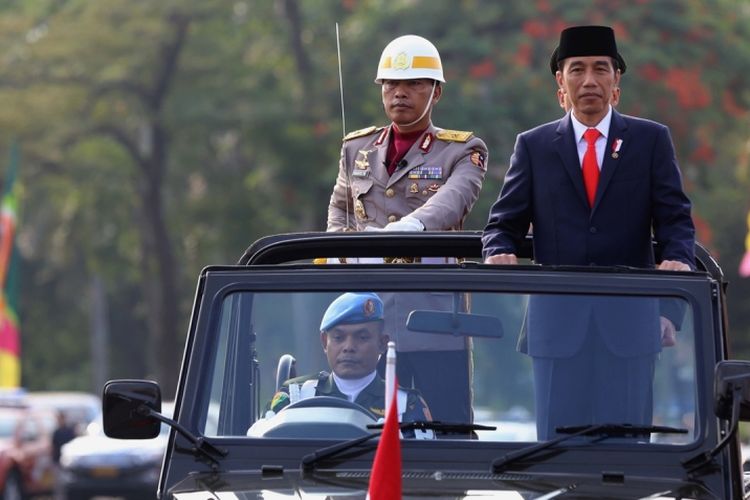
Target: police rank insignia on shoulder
x: 360, y: 133
x: 454, y: 135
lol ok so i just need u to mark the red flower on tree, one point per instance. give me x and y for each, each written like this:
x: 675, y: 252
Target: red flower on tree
x: 686, y: 84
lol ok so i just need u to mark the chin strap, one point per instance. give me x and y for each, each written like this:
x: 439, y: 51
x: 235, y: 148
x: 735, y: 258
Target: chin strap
x: 426, y: 108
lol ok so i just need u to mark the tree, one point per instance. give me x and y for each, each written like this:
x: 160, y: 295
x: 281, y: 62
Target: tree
x: 159, y: 137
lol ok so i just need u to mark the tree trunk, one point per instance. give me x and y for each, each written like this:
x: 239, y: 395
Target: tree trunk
x: 158, y: 269
x: 159, y: 275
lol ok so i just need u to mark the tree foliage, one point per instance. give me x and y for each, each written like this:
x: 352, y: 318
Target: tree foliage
x: 162, y: 136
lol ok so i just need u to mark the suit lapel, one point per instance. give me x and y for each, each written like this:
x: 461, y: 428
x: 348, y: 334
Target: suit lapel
x: 618, y: 129
x: 568, y: 151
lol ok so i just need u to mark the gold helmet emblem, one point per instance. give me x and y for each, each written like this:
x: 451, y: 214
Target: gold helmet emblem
x: 401, y: 61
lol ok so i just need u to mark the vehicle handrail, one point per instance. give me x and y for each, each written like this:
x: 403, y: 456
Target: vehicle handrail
x: 290, y: 247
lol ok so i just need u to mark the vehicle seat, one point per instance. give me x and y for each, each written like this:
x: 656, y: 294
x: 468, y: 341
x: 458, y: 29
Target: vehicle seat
x: 286, y: 369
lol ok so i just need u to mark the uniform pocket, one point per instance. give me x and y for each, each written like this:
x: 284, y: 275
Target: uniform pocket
x: 364, y: 207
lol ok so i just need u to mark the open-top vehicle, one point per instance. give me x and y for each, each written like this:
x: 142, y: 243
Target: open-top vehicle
x: 256, y: 324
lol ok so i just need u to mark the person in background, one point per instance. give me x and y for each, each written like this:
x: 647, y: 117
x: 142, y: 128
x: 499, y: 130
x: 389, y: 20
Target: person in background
x: 63, y: 433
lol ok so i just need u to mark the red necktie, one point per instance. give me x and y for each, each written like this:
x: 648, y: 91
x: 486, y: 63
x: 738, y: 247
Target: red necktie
x: 590, y: 165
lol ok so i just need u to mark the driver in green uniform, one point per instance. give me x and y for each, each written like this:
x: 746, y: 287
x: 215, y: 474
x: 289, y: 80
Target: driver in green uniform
x: 353, y: 339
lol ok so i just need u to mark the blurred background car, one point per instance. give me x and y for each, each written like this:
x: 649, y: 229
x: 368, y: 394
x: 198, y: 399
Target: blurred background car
x: 94, y: 464
x: 79, y: 408
x: 26, y: 466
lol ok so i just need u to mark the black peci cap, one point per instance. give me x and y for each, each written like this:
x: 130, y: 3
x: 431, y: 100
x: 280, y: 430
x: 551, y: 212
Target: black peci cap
x: 586, y: 41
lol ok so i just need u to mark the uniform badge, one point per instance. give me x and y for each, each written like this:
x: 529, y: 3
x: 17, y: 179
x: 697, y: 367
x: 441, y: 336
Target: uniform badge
x: 382, y: 136
x: 364, y: 163
x: 477, y: 158
x: 414, y: 188
x: 368, y: 307
x: 426, y: 173
x: 454, y: 135
x: 401, y: 61
x: 359, y: 133
x: 359, y: 210
x: 426, y: 142
x: 434, y: 187
x: 280, y: 400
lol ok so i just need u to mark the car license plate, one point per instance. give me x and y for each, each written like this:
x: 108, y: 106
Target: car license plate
x: 104, y: 472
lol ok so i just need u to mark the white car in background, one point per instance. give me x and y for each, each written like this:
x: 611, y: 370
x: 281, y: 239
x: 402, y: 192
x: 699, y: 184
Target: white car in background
x: 80, y: 408
x: 96, y: 465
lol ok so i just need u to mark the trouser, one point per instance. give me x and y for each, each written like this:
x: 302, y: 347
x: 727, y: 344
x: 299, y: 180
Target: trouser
x: 593, y: 386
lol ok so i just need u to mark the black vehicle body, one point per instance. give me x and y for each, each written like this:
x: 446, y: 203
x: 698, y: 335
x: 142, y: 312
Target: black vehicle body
x: 221, y: 392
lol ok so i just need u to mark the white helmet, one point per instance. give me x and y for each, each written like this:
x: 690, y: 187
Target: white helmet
x: 409, y: 57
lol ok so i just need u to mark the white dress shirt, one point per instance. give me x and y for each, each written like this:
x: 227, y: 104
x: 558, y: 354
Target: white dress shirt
x: 601, y: 143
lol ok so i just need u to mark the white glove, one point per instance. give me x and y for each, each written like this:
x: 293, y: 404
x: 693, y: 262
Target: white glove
x: 407, y: 223
x: 355, y: 260
x: 372, y: 228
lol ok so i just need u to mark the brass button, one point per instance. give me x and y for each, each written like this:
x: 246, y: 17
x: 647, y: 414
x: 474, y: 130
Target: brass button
x: 424, y: 193
x: 392, y: 218
x: 390, y: 192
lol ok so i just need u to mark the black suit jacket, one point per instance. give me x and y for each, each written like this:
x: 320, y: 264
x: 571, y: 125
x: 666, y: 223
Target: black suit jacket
x: 639, y: 191
x: 639, y: 197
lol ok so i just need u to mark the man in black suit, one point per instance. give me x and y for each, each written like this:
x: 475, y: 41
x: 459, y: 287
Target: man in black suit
x: 597, y: 186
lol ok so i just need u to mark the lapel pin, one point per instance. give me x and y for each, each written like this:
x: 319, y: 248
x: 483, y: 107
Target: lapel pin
x: 616, y: 145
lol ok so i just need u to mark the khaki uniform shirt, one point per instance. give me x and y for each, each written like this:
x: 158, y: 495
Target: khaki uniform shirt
x: 438, y: 181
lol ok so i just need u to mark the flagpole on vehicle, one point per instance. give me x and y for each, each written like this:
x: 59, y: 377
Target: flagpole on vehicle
x: 385, y: 477
x: 390, y: 375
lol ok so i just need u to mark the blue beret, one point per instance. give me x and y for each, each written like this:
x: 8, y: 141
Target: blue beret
x: 352, y: 308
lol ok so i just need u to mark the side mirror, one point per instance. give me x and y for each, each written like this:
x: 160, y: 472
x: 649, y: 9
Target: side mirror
x: 732, y: 381
x: 124, y: 408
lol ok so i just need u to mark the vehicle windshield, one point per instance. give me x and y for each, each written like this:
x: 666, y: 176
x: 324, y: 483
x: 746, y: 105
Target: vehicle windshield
x: 498, y: 385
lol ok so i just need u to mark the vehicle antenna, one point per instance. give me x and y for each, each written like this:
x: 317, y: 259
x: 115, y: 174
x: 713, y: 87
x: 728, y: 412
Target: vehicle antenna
x: 343, y: 124
x: 341, y: 81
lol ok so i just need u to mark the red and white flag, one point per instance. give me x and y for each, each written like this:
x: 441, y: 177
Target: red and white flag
x: 385, y: 478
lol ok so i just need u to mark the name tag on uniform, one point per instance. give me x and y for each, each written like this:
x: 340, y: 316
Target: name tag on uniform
x: 361, y: 173
x: 426, y: 173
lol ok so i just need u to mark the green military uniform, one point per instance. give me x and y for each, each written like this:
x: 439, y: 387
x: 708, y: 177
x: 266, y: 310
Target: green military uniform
x: 438, y: 183
x: 372, y: 397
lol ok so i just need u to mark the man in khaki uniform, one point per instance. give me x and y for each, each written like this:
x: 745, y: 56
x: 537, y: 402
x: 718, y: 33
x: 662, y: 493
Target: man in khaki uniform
x: 433, y: 183
x: 436, y: 184
x: 413, y: 176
